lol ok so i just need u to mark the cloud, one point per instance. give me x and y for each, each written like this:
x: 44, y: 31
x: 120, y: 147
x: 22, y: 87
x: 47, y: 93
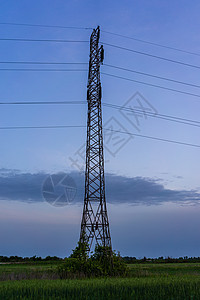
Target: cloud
x: 139, y: 190
x: 15, y: 185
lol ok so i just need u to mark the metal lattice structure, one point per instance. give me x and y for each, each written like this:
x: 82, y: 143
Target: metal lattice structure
x: 95, y: 225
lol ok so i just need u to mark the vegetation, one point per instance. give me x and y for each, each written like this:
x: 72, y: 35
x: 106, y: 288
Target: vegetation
x: 34, y: 258
x: 161, y: 259
x: 30, y: 270
x: 8, y: 271
x: 104, y: 262
x: 104, y: 275
x: 145, y: 281
x: 126, y: 259
x: 110, y: 288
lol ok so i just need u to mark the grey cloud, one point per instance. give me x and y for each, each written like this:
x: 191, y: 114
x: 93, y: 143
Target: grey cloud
x: 20, y: 186
x: 139, y: 190
x: 27, y: 187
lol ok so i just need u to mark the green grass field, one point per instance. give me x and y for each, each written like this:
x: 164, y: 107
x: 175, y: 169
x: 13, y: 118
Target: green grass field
x: 146, y: 281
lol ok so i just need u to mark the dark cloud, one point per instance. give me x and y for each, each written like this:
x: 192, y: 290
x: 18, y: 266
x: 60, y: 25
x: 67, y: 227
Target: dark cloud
x: 27, y: 187
x: 139, y: 190
x: 21, y: 186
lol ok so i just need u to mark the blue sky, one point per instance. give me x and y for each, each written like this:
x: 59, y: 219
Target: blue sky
x: 174, y: 169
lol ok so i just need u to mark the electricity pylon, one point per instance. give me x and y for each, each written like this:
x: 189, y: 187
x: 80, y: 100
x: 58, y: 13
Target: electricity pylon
x: 95, y: 225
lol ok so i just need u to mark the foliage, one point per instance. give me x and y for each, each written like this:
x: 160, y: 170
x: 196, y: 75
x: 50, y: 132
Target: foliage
x: 104, y: 262
x: 81, y: 251
x: 126, y: 259
x: 29, y: 259
x: 161, y: 259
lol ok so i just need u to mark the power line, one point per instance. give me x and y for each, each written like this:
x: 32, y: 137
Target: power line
x: 151, y: 43
x: 149, y: 113
x: 43, y: 40
x: 151, y: 55
x: 159, y: 116
x: 114, y: 106
x: 42, y: 127
x: 152, y: 85
x: 42, y: 63
x: 105, y: 31
x: 42, y: 102
x: 155, y: 138
x: 107, y: 129
x: 68, y: 63
x: 47, y: 26
x: 107, y: 44
x: 45, y: 70
x: 80, y: 63
x: 151, y: 75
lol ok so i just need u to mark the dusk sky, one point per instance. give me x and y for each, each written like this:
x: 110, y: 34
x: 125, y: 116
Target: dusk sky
x: 152, y: 186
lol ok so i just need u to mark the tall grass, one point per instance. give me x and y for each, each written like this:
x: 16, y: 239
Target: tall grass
x: 145, y: 281
x: 157, y: 288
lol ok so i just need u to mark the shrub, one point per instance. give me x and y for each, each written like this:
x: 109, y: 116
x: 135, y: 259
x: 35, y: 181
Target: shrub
x: 104, y: 262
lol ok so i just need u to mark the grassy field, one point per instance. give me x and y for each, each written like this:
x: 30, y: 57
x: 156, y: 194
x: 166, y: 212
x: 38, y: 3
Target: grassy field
x: 174, y: 269
x: 146, y: 281
x: 18, y: 271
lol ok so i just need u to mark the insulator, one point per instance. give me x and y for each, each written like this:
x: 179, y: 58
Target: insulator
x: 101, y: 54
x: 98, y: 33
x: 88, y: 94
x: 96, y: 226
x: 100, y: 92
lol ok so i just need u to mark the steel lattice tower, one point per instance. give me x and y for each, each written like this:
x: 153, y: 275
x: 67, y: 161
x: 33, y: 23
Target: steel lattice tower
x: 95, y: 225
